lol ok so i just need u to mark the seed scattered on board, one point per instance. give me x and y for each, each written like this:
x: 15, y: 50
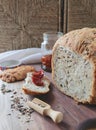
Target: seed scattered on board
x: 18, y: 103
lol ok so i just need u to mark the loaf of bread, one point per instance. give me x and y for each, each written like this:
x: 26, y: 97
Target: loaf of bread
x: 31, y: 88
x: 74, y: 65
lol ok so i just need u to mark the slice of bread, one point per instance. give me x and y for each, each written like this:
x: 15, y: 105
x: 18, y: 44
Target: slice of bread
x: 32, y: 89
x: 74, y: 65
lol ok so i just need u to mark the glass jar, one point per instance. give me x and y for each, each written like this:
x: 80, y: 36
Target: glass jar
x: 49, y: 39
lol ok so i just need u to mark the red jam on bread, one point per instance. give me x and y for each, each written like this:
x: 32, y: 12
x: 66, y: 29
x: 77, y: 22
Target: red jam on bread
x: 37, y: 77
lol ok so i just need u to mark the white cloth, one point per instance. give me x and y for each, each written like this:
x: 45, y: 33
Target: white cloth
x: 25, y: 56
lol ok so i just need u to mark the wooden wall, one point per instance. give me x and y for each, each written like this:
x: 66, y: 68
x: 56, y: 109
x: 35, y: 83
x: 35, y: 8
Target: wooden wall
x: 22, y: 22
x: 79, y: 14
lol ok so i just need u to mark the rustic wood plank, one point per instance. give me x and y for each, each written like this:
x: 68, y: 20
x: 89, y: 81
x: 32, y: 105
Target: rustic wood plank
x: 80, y: 13
x: 65, y: 15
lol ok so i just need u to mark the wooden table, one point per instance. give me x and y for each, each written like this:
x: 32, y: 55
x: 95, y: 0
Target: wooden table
x: 11, y: 118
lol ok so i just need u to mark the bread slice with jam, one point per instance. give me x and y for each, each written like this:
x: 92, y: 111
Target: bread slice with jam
x: 36, y: 83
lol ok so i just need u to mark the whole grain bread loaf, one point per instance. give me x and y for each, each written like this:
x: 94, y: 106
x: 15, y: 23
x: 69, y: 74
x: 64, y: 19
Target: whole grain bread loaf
x: 74, y: 65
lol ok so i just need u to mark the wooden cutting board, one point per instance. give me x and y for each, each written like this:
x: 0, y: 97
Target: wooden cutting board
x: 15, y: 115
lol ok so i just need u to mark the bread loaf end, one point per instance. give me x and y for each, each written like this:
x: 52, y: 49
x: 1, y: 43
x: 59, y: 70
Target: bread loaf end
x: 74, y: 65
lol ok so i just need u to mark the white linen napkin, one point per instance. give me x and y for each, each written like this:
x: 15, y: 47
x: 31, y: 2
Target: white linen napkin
x: 25, y: 56
x: 34, y: 58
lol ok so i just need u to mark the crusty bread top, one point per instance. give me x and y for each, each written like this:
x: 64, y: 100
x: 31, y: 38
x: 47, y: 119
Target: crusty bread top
x: 80, y: 40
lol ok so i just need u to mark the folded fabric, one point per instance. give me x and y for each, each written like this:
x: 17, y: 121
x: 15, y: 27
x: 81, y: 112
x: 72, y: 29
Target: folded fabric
x: 25, y: 56
x: 34, y: 58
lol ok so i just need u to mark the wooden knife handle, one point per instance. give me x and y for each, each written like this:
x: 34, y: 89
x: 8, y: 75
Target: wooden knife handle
x: 56, y: 116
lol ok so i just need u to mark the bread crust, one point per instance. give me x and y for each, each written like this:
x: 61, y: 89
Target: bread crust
x: 84, y: 45
x: 16, y: 74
